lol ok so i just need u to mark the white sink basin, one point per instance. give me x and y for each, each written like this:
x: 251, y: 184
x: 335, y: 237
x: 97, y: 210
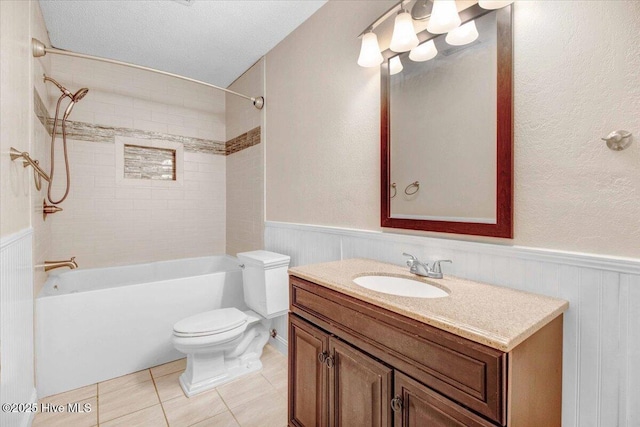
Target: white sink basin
x: 400, y: 286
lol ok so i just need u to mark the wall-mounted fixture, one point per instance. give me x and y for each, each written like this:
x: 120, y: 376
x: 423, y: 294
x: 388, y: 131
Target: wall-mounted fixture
x: 74, y: 99
x: 443, y: 18
x: 48, y: 209
x: 38, y: 173
x: 40, y: 49
x: 412, y: 188
x: 50, y: 265
x: 618, y: 140
x: 472, y: 191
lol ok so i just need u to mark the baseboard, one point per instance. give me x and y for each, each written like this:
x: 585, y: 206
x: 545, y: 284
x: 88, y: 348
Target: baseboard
x: 280, y: 344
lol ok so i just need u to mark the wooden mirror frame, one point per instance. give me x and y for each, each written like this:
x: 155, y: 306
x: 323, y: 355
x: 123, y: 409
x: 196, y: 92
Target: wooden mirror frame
x: 504, y: 191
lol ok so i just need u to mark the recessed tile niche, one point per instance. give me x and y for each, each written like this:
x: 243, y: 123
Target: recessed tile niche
x: 148, y: 162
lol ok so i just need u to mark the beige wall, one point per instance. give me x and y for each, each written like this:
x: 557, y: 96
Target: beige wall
x: 322, y: 120
x: 15, y: 114
x: 21, y: 203
x: 107, y: 223
x: 576, y: 79
x: 245, y: 168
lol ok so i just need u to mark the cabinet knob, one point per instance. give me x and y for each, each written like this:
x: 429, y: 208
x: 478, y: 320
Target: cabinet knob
x: 396, y: 404
x: 322, y: 357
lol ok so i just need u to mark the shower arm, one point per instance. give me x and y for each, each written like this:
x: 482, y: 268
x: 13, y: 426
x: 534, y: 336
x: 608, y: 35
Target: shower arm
x: 40, y: 49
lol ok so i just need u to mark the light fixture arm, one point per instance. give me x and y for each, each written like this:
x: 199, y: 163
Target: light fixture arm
x: 39, y: 49
x: 390, y: 12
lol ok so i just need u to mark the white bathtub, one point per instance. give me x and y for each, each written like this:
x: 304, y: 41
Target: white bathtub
x: 97, y: 324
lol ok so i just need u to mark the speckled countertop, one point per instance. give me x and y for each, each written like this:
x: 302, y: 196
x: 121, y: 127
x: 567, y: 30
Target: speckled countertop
x: 491, y: 315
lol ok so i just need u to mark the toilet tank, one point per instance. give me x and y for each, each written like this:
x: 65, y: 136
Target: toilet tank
x: 265, y: 282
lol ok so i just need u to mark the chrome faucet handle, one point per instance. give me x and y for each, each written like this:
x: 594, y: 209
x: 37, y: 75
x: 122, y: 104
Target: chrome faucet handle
x: 411, y: 262
x: 436, y: 266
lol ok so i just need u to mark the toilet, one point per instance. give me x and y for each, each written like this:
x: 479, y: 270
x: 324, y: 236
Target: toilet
x: 226, y: 343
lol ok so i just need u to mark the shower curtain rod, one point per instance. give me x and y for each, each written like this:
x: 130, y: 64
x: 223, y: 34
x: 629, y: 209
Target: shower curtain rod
x: 39, y: 49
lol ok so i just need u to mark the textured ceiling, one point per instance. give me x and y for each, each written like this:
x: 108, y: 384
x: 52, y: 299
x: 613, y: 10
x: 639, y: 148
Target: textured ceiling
x: 210, y: 40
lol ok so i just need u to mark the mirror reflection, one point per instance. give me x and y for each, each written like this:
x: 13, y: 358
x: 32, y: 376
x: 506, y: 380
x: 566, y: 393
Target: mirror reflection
x: 443, y: 129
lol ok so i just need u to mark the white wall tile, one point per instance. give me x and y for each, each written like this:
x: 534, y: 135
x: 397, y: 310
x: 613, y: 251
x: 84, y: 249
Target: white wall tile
x: 105, y: 224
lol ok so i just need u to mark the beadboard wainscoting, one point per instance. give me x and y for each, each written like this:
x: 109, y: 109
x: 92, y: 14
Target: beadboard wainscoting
x: 16, y: 327
x: 601, y: 374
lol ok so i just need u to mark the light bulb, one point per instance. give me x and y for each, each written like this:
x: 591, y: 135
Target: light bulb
x: 464, y: 34
x: 494, y: 4
x: 404, y: 35
x: 370, y: 55
x: 395, y: 66
x: 424, y: 52
x: 444, y: 17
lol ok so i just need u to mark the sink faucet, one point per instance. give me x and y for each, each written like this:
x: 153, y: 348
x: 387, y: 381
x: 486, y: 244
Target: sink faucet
x: 50, y: 265
x: 434, y: 272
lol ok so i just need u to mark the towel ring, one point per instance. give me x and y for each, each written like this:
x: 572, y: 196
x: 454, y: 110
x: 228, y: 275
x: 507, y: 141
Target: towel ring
x: 395, y: 190
x: 413, y: 184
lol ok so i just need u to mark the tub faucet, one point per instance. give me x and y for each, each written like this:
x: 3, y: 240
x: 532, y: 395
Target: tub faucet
x: 434, y: 272
x: 50, y: 265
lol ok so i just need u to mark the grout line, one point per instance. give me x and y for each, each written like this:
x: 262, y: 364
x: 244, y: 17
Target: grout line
x: 226, y: 406
x: 155, y: 386
x: 97, y: 405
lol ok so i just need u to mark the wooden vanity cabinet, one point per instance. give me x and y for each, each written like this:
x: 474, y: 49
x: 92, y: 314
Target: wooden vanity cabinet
x: 332, y: 383
x: 416, y: 406
x: 355, y: 364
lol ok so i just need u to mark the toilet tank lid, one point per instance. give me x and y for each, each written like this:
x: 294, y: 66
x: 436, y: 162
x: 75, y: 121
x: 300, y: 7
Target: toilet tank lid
x: 210, y: 322
x: 264, y: 259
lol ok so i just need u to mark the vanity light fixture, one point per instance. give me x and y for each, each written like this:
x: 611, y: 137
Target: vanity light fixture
x: 462, y: 35
x: 494, y: 4
x: 424, y: 52
x: 370, y: 55
x: 404, y: 34
x: 444, y: 17
x: 395, y: 66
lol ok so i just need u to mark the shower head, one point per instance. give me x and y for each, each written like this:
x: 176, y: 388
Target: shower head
x: 79, y: 94
x: 74, y: 99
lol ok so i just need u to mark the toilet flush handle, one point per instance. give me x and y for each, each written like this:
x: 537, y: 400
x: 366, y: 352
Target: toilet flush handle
x: 241, y: 265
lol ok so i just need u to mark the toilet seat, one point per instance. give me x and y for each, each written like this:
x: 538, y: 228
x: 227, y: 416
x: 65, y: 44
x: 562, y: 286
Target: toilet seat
x: 221, y: 321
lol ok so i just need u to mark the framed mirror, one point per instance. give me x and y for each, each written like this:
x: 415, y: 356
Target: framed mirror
x: 447, y: 132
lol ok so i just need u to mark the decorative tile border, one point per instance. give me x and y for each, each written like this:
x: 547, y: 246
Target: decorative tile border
x: 40, y: 110
x: 98, y: 133
x: 243, y: 141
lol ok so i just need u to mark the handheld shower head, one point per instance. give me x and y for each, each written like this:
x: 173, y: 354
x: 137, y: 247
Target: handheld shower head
x: 74, y: 99
x: 80, y: 94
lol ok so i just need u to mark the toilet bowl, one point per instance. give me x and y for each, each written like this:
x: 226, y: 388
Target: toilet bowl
x: 224, y: 344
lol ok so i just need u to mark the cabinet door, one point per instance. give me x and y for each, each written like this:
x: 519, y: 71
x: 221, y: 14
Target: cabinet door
x: 359, y: 388
x: 308, y: 350
x: 416, y: 405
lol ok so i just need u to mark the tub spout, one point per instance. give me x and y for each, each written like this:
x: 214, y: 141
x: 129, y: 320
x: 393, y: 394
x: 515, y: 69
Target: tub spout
x: 50, y: 265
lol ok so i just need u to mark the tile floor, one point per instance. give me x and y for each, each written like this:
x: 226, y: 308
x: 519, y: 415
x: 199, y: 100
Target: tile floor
x: 153, y: 398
